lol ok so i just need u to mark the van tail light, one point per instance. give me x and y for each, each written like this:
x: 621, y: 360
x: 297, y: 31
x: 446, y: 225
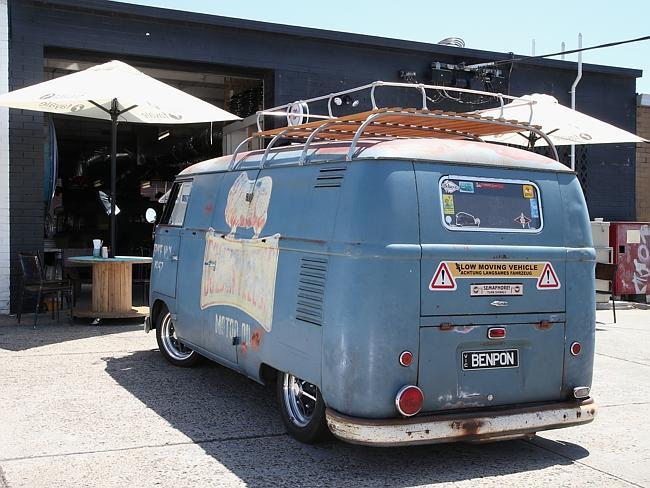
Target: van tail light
x: 575, y: 348
x: 409, y: 400
x: 496, y: 332
x: 406, y: 358
x: 580, y: 392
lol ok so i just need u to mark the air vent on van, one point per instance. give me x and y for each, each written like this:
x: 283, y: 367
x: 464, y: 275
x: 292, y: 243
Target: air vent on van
x: 330, y: 177
x: 311, y: 290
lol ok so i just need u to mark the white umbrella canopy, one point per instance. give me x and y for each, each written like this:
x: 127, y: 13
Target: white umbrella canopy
x: 117, y: 92
x: 563, y: 125
x: 140, y: 98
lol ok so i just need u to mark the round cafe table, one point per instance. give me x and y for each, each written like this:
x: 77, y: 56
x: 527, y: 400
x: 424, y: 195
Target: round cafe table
x: 112, y: 287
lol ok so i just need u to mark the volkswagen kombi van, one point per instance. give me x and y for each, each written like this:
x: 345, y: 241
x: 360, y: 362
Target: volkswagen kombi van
x: 402, y: 285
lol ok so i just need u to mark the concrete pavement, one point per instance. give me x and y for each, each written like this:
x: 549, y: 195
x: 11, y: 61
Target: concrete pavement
x: 98, y: 406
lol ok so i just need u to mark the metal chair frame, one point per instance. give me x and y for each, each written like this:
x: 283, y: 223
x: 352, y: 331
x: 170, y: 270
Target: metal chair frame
x: 34, y: 283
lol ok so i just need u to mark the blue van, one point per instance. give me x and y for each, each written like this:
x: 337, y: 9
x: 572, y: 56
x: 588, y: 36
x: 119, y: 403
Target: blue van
x: 397, y: 290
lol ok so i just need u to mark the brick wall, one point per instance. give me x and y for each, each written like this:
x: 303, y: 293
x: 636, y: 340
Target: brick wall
x: 4, y: 163
x: 26, y: 136
x: 643, y: 160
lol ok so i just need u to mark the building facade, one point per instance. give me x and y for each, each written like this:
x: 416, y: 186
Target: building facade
x: 643, y: 159
x: 292, y: 63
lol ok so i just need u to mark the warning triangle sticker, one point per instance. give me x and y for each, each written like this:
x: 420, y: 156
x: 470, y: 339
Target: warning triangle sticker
x: 548, y: 279
x: 442, y: 279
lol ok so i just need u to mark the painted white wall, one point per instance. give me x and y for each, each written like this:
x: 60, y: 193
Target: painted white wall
x: 4, y: 161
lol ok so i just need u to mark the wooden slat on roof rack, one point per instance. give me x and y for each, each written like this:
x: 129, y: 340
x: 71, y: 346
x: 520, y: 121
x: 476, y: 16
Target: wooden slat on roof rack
x: 403, y: 123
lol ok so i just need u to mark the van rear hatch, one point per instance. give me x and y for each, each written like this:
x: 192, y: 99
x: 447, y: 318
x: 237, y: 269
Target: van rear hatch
x: 493, y: 257
x: 490, y: 245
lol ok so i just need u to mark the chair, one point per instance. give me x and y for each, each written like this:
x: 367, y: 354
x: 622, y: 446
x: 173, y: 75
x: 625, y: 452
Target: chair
x: 33, y: 282
x: 607, y: 272
x: 141, y: 274
x: 76, y: 273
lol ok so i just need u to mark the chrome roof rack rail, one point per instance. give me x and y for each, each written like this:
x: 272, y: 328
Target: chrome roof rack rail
x: 306, y: 124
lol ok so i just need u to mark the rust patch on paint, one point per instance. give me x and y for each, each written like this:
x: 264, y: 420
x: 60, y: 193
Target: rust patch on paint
x: 468, y: 427
x: 256, y: 339
x: 446, y: 326
x: 544, y: 325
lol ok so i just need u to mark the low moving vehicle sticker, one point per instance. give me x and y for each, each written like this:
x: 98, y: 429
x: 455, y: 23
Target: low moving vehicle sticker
x: 241, y: 272
x: 448, y: 272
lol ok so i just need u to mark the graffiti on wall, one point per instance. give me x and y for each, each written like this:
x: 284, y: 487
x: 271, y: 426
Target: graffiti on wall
x: 642, y: 262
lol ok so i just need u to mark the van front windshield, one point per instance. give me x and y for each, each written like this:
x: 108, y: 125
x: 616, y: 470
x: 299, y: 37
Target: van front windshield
x: 472, y: 203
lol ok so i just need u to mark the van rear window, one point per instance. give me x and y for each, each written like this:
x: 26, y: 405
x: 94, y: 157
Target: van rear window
x: 475, y: 204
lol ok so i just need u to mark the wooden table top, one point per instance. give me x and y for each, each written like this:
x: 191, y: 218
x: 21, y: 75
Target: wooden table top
x: 115, y: 260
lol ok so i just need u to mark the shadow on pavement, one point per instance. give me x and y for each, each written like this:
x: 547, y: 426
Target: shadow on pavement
x: 235, y: 421
x: 14, y: 337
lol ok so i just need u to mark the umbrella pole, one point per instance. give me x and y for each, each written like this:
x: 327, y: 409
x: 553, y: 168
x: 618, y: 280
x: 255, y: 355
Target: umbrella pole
x: 114, y: 114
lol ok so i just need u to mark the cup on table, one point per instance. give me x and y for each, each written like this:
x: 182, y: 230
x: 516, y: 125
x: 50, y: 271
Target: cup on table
x: 97, y: 247
x: 104, y: 252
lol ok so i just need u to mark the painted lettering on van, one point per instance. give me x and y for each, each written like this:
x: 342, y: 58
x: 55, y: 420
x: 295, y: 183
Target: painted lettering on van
x: 161, y: 252
x: 228, y: 327
x: 241, y: 272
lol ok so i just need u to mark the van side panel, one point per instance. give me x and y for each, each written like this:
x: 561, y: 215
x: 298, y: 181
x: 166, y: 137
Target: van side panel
x: 580, y: 295
x: 301, y: 212
x: 190, y: 319
x: 372, y: 304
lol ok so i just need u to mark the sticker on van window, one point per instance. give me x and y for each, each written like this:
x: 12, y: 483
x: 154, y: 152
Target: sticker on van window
x: 523, y: 220
x: 489, y: 204
x: 448, y: 204
x: 448, y: 272
x: 466, y: 186
x: 450, y: 187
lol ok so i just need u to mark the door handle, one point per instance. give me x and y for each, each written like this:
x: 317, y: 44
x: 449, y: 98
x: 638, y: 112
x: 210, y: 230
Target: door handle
x: 499, y: 303
x: 174, y: 258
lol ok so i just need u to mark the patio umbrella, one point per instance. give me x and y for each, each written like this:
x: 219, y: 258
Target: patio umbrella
x: 117, y: 92
x: 563, y: 125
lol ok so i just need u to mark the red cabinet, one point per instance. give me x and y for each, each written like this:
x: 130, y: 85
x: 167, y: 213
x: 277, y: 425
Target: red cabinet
x: 631, y: 246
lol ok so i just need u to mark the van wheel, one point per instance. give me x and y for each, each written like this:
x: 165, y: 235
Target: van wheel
x: 302, y: 408
x: 171, y: 348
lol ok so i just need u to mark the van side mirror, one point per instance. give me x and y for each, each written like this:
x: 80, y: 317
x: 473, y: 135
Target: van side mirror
x: 150, y: 215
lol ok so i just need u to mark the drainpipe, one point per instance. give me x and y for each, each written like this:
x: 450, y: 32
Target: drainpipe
x: 573, y: 97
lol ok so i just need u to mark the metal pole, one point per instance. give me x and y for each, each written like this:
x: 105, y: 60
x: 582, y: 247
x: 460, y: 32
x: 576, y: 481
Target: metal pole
x: 114, y: 114
x: 573, y: 97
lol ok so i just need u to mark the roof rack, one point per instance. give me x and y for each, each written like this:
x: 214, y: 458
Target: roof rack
x: 385, y: 123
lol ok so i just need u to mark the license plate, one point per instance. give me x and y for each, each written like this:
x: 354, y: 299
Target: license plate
x: 507, y: 358
x: 496, y: 289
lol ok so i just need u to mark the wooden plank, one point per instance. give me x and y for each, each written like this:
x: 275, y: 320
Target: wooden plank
x: 400, y: 122
x: 132, y: 313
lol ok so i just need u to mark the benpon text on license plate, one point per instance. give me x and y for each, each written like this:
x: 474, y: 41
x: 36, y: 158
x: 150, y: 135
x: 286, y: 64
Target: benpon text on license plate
x: 508, y: 358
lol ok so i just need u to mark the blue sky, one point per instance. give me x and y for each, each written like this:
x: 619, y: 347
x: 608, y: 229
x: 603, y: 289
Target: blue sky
x: 495, y: 26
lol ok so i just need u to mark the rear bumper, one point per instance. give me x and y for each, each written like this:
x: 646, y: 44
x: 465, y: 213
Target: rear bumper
x: 502, y: 424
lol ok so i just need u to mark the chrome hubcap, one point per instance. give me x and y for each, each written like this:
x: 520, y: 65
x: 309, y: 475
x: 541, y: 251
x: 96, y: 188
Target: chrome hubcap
x: 300, y: 399
x: 170, y: 342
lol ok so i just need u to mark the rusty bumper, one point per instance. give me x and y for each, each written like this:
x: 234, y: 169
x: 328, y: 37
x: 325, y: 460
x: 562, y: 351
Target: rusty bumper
x: 507, y: 423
